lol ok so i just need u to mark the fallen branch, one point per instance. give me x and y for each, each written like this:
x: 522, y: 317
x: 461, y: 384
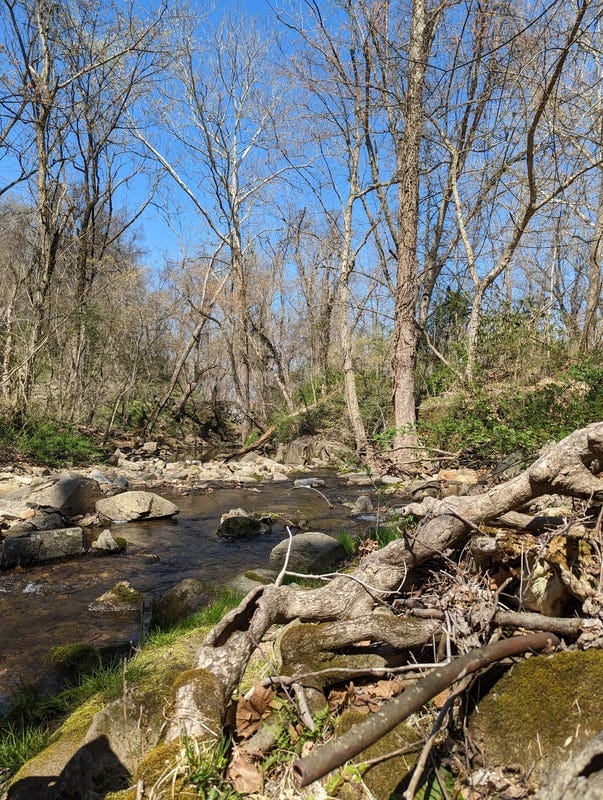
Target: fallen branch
x: 222, y: 658
x: 358, y: 738
x: 562, y: 626
x: 250, y: 447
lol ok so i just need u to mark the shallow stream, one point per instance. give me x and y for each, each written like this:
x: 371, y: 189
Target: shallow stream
x: 47, y: 605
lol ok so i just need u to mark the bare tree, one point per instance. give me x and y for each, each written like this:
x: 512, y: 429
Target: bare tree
x: 223, y: 118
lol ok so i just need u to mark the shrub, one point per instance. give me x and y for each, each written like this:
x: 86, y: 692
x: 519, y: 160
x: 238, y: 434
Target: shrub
x: 55, y: 443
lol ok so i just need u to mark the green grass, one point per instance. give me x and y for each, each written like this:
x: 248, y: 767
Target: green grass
x: 19, y: 743
x: 32, y: 716
x: 225, y: 600
x: 206, y: 765
x: 348, y: 542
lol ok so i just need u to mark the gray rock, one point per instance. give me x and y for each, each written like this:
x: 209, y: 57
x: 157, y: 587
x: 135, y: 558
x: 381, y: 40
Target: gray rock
x: 105, y: 543
x: 68, y: 493
x: 238, y: 524
x: 363, y: 505
x: 314, y: 449
x: 150, y: 447
x: 251, y: 579
x: 129, y: 506
x: 36, y: 548
x: 180, y: 602
x: 313, y: 552
x: 310, y: 483
x: 40, y: 521
x: 15, y: 509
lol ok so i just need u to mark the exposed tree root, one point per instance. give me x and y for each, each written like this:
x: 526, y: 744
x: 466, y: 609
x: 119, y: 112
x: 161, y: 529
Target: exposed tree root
x: 565, y: 469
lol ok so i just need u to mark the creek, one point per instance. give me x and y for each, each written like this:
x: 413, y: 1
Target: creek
x: 46, y: 605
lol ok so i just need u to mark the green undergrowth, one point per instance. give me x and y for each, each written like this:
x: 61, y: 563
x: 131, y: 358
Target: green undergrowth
x: 489, y: 423
x: 201, y: 621
x: 46, y: 441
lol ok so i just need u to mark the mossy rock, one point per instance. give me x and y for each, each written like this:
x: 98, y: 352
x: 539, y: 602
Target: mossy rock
x: 161, y: 760
x: 180, y: 602
x: 306, y: 648
x: 542, y: 711
x: 121, y: 598
x: 53, y: 761
x: 383, y: 778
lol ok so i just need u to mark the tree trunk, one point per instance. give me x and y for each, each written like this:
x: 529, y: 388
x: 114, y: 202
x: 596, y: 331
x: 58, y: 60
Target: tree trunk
x: 405, y: 335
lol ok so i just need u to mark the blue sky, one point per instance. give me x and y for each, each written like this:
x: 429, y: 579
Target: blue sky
x: 163, y: 233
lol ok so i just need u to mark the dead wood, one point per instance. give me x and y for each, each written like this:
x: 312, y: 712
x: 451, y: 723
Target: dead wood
x: 562, y: 626
x: 250, y: 447
x: 564, y: 469
x: 360, y: 736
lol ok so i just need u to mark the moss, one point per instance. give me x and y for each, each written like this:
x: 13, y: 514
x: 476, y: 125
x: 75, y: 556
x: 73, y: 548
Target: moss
x: 158, y: 762
x: 255, y: 576
x: 74, y: 660
x: 166, y: 766
x: 546, y: 706
x: 65, y: 743
x: 305, y: 648
x: 382, y: 779
x: 125, y: 593
x: 124, y: 794
x: 204, y: 692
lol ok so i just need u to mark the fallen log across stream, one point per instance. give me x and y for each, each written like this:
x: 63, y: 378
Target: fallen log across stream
x: 203, y: 695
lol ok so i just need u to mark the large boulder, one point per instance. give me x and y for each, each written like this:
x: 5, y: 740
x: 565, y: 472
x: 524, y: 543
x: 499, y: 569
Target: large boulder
x: 541, y: 713
x: 130, y: 506
x: 42, y: 546
x: 67, y: 493
x: 180, y: 602
x: 312, y: 449
x: 313, y: 552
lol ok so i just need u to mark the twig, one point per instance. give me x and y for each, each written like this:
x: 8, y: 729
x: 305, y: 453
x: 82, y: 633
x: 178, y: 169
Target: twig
x: 283, y: 571
x: 422, y: 760
x: 471, y: 525
x: 302, y: 704
x: 314, y: 489
x: 362, y: 735
x: 288, y: 680
x: 327, y: 576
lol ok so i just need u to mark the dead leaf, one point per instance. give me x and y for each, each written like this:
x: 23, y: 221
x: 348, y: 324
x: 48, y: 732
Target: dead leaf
x: 245, y: 776
x: 339, y: 698
x: 250, y: 711
x: 385, y: 690
x: 440, y: 699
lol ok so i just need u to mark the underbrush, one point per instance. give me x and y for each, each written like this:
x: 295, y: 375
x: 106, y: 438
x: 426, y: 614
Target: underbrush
x: 491, y: 422
x: 46, y: 441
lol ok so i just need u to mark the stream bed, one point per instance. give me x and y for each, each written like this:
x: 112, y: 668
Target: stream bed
x: 46, y: 605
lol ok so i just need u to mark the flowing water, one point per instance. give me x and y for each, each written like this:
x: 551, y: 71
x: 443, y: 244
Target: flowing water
x: 42, y: 606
